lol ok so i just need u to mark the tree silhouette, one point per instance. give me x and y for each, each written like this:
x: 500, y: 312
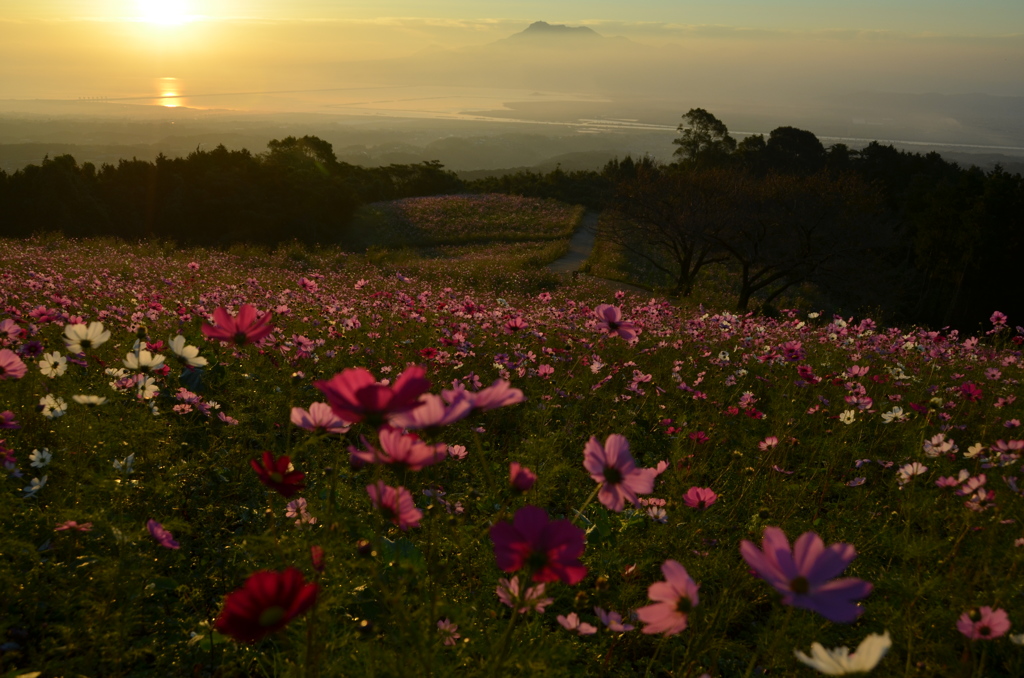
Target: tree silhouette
x: 704, y: 139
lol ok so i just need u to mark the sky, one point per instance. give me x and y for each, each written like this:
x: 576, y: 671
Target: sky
x: 950, y: 17
x: 70, y: 49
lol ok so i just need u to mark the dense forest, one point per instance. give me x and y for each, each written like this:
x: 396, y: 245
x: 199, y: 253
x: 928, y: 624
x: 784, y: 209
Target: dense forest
x: 912, y: 236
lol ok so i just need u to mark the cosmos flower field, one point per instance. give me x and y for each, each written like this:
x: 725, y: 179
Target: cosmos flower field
x: 313, y: 463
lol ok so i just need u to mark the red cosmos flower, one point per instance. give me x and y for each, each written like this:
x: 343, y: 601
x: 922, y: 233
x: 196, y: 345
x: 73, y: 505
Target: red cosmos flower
x: 275, y: 474
x: 266, y: 603
x: 549, y: 549
x: 241, y: 329
x: 354, y: 395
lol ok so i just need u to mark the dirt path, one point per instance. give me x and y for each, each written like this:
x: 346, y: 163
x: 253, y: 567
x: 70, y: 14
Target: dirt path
x: 579, y: 251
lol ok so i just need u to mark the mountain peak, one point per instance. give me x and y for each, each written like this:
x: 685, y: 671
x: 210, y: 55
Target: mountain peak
x: 544, y: 29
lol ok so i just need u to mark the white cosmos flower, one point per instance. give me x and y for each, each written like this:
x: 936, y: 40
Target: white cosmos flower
x: 53, y: 407
x: 1017, y: 639
x: 895, y: 415
x: 187, y: 354
x: 35, y: 486
x: 40, y: 458
x: 89, y: 400
x: 127, y: 464
x: 79, y: 338
x: 144, y: 361
x: 839, y: 662
x: 148, y: 388
x: 53, y: 365
x: 847, y: 416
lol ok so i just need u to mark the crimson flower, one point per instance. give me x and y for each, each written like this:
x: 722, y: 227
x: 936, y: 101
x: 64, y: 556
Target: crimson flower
x: 613, y: 467
x: 354, y: 395
x: 266, y: 602
x: 278, y: 474
x: 240, y: 330
x: 520, y: 477
x: 803, y: 574
x: 549, y: 549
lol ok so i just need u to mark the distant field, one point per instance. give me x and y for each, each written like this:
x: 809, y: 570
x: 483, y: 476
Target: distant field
x: 462, y: 220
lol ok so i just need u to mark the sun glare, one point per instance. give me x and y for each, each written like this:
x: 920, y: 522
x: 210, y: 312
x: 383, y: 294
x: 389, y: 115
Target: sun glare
x: 166, y: 12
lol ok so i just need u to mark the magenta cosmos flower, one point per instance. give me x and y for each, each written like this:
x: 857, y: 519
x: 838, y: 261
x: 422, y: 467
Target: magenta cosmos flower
x: 673, y: 599
x: 549, y: 549
x: 610, y: 321
x: 396, y: 504
x: 240, y: 330
x: 803, y: 574
x: 11, y: 366
x: 399, y: 449
x: 266, y: 603
x: 699, y: 497
x: 990, y: 624
x: 613, y: 467
x: 354, y: 395
x: 520, y: 477
x: 319, y: 417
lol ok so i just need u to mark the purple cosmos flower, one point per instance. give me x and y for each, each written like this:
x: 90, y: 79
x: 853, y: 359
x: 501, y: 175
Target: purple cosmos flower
x: 803, y: 574
x: 162, y: 535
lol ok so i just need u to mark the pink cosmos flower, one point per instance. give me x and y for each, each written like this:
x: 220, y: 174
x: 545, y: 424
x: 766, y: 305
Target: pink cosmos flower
x: 432, y: 412
x: 550, y: 549
x: 511, y: 593
x: 613, y: 467
x: 498, y: 394
x: 11, y: 366
x: 448, y: 631
x: 400, y: 449
x: 572, y: 622
x: 354, y: 395
x: 514, y: 325
x: 699, y: 497
x: 73, y: 525
x: 803, y: 574
x: 520, y: 477
x: 240, y: 330
x: 396, y: 504
x: 610, y: 321
x: 673, y: 598
x: 989, y: 624
x: 7, y: 420
x: 768, y: 443
x: 613, y: 620
x: 319, y: 417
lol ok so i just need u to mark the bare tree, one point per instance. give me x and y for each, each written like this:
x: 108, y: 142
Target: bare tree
x: 668, y: 216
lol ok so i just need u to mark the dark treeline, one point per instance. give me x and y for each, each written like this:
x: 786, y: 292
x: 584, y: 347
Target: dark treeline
x: 921, y: 239
x: 296, y: 190
x: 913, y: 236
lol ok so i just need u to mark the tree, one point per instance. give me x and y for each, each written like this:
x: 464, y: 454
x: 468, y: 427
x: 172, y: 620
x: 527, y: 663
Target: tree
x: 704, y: 139
x: 795, y: 151
x: 788, y: 230
x: 668, y: 217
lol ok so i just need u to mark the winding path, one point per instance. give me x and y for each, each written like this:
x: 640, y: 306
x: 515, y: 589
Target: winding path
x: 580, y: 246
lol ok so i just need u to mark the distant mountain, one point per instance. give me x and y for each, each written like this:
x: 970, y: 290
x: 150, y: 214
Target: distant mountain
x: 542, y: 30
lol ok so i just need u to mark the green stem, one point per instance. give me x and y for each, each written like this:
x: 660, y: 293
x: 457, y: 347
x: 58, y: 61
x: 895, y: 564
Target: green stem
x: 579, y: 513
x: 503, y: 648
x: 771, y: 648
x: 654, y: 656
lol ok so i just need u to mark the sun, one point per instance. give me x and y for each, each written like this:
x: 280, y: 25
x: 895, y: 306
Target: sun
x: 166, y: 12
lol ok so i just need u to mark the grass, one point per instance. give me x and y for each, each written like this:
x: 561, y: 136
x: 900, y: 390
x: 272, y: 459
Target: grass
x: 113, y: 602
